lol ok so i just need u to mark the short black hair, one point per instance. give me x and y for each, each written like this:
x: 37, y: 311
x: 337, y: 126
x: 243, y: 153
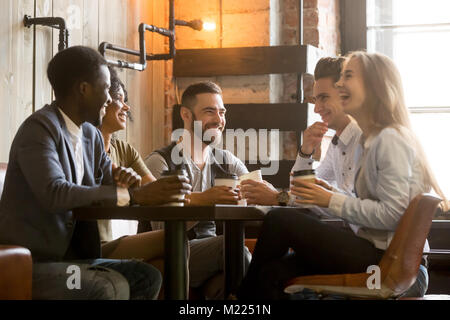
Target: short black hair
x: 116, y: 84
x: 189, y: 95
x: 72, y: 65
x: 329, y: 68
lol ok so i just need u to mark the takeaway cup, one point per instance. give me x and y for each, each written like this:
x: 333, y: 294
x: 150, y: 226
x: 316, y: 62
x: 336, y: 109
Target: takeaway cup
x: 304, y: 175
x: 170, y: 173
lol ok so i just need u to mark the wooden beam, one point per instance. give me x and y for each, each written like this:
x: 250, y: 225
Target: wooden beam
x: 245, y: 61
x: 282, y: 116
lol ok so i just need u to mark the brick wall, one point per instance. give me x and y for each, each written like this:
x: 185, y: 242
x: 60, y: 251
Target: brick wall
x: 254, y: 23
x: 320, y: 29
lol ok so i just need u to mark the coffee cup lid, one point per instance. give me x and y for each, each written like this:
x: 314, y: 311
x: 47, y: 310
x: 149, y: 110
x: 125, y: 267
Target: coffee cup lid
x: 181, y: 171
x: 304, y: 172
x: 226, y: 175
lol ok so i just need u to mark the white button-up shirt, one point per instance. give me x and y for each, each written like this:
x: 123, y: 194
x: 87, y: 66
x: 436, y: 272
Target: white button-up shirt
x: 338, y: 167
x: 75, y: 135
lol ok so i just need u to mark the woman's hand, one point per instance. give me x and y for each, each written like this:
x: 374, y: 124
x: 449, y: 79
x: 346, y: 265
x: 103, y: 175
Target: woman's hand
x: 311, y: 193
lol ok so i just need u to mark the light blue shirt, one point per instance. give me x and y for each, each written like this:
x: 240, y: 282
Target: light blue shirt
x: 389, y: 177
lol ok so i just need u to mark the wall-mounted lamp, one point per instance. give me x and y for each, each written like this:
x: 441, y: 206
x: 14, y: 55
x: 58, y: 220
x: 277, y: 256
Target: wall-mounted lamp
x: 142, y: 53
x: 197, y: 24
x: 194, y: 24
x: 209, y: 26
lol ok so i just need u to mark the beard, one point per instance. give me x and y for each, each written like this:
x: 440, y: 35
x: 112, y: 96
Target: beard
x: 214, y: 139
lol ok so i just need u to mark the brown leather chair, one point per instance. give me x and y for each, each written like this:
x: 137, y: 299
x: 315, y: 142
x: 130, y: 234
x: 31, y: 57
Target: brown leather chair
x: 399, y: 265
x: 15, y: 265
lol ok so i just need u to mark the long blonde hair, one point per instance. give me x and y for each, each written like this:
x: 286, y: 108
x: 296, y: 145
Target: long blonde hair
x: 385, y: 105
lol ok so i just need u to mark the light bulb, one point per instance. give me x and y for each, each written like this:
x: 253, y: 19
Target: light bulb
x: 209, y: 26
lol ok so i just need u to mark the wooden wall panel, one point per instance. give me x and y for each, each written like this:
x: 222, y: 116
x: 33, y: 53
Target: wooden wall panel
x: 157, y: 69
x: 146, y: 89
x: 139, y: 131
x: 112, y: 28
x: 43, y: 53
x: 89, y: 22
x: 16, y: 70
x: 72, y: 12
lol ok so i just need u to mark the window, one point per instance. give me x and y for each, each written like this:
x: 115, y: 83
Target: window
x: 416, y: 35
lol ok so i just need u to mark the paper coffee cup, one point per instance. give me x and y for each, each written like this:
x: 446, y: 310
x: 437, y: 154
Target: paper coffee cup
x: 304, y: 175
x: 226, y: 182
x: 170, y: 173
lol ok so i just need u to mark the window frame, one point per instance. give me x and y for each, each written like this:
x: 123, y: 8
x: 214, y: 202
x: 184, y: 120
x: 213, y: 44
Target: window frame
x: 353, y: 29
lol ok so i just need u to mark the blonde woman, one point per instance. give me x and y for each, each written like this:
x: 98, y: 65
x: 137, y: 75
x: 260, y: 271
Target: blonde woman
x: 392, y: 171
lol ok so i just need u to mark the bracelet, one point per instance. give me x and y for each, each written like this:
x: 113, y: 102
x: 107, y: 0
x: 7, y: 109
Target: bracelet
x: 304, y: 155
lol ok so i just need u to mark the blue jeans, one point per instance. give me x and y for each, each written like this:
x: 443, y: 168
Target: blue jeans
x: 419, y: 288
x: 103, y: 279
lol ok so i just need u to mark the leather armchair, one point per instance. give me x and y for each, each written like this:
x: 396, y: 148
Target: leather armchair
x: 399, y: 265
x: 15, y: 273
x: 15, y: 265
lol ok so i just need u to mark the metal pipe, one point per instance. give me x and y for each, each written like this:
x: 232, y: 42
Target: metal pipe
x: 172, y: 28
x: 143, y: 56
x: 53, y: 22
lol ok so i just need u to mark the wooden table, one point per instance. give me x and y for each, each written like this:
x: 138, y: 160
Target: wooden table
x: 175, y: 218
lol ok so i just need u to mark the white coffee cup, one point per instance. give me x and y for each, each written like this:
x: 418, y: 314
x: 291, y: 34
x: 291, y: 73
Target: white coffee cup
x: 228, y: 180
x: 304, y: 175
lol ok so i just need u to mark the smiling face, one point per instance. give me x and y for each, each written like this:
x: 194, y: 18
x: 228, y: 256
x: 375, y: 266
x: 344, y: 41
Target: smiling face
x: 327, y: 103
x: 96, y: 97
x: 116, y: 113
x: 208, y: 109
x: 351, y: 87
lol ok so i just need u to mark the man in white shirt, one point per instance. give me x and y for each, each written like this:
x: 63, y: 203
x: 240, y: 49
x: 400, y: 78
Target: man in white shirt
x: 57, y: 163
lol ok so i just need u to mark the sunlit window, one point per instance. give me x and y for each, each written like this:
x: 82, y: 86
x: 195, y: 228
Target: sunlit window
x: 416, y: 35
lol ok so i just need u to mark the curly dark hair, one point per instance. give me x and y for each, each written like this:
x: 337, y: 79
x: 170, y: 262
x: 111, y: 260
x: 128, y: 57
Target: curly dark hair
x: 116, y: 84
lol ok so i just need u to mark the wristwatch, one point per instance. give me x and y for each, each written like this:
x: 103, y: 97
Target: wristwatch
x: 283, y: 198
